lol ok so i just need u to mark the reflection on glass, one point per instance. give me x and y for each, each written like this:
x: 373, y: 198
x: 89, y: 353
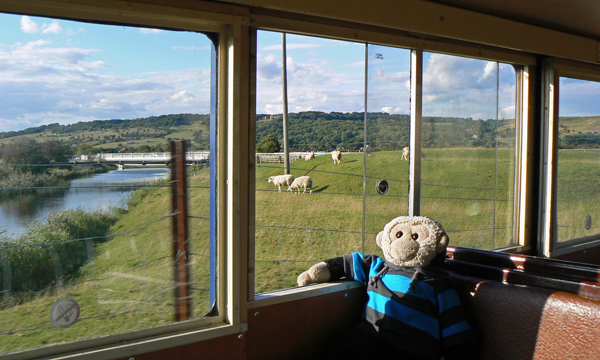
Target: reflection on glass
x: 578, y: 214
x: 468, y: 140
x: 100, y: 236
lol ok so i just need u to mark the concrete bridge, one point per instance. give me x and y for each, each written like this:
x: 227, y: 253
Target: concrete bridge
x: 122, y: 159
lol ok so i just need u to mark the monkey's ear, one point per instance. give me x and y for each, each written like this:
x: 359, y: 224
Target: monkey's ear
x: 442, y: 243
x: 379, y: 238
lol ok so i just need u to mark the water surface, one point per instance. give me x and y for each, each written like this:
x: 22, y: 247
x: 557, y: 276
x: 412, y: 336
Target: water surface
x: 96, y: 192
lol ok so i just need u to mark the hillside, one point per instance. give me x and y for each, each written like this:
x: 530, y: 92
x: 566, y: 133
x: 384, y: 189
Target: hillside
x: 144, y: 134
x: 308, y: 131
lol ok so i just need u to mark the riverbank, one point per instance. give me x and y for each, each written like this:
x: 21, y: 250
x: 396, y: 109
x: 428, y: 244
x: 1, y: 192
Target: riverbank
x: 15, y: 181
x: 51, y: 252
x: 124, y: 284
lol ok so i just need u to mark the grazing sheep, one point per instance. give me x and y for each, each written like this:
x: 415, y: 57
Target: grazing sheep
x: 336, y: 156
x: 368, y: 149
x: 282, y: 180
x: 309, y: 156
x: 299, y: 182
x: 405, y: 153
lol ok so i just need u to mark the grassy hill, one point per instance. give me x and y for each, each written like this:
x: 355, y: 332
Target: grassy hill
x: 576, y: 124
x: 123, y: 135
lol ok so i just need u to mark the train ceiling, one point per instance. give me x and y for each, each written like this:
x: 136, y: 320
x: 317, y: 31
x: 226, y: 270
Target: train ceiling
x: 578, y: 17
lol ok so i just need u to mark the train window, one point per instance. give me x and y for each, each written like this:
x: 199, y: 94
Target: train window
x: 343, y: 211
x: 468, y: 145
x: 86, y: 249
x: 388, y: 135
x: 578, y: 158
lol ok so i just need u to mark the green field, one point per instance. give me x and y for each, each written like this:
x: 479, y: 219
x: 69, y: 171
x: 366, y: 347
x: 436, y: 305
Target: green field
x: 578, y: 193
x: 128, y: 285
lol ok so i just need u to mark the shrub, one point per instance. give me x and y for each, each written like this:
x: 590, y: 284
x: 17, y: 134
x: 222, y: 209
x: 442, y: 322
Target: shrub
x: 52, y: 252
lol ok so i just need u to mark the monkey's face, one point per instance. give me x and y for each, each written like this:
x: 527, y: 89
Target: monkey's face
x: 412, y: 241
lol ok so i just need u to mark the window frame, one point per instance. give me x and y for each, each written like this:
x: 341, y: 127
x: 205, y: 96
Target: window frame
x: 229, y: 59
x: 553, y: 70
x: 524, y: 64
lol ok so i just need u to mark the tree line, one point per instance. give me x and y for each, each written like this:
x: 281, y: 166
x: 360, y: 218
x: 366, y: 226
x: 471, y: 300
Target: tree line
x: 313, y: 131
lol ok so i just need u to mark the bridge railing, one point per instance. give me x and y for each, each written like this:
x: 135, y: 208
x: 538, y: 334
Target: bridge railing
x: 154, y: 156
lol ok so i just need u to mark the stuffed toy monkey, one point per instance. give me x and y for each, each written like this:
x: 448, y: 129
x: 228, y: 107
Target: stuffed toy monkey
x: 412, y: 311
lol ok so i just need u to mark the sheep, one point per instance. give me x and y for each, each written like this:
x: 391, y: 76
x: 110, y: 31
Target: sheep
x: 311, y: 155
x: 405, y: 153
x: 368, y: 149
x: 282, y: 180
x: 336, y: 155
x: 302, y: 181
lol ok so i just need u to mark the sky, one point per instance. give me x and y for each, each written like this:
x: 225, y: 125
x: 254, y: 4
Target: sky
x: 59, y: 71
x: 329, y: 75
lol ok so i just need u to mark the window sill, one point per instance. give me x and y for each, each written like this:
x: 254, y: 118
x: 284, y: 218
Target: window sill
x: 297, y: 293
x: 123, y: 346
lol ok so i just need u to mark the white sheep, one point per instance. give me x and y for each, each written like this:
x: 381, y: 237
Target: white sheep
x: 301, y: 182
x: 405, y: 153
x: 310, y: 156
x: 336, y: 155
x: 368, y: 149
x: 280, y: 180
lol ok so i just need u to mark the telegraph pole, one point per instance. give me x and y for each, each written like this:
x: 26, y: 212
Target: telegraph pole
x: 286, y: 151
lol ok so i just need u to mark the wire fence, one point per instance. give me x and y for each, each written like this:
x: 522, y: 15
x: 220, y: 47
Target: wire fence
x: 171, y: 285
x: 54, y: 253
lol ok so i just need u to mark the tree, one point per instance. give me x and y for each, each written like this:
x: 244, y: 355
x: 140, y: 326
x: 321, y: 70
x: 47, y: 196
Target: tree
x: 29, y: 151
x: 22, y: 151
x: 269, y: 144
x: 144, y: 149
x: 56, y: 151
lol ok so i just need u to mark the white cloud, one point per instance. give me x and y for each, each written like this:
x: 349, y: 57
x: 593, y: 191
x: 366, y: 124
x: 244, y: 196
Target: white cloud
x: 392, y: 110
x: 183, y: 96
x: 53, y: 28
x: 508, y: 112
x: 149, y: 31
x: 267, y: 68
x: 462, y: 87
x: 46, y: 84
x: 29, y: 26
x: 489, y: 69
x: 38, y: 53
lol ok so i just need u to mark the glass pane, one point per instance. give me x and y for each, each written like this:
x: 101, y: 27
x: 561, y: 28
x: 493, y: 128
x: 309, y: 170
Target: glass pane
x: 388, y: 133
x: 325, y: 86
x: 468, y: 140
x: 87, y: 229
x: 578, y: 159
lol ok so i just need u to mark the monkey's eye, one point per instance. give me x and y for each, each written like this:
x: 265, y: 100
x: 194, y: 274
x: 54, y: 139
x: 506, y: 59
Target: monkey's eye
x: 414, y: 236
x: 399, y: 234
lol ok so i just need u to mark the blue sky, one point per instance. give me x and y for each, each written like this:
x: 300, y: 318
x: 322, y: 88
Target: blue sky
x: 64, y: 71
x: 328, y: 75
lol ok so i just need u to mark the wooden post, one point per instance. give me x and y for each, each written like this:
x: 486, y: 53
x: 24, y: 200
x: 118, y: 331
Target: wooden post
x: 181, y: 273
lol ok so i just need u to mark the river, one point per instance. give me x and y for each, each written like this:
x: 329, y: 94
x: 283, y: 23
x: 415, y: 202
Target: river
x: 96, y: 192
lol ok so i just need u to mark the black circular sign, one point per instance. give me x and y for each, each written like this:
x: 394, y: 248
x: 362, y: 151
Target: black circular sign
x: 382, y: 187
x: 588, y: 222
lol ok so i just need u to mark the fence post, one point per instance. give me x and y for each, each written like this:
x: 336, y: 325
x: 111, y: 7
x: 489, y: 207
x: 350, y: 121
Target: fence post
x: 181, y: 273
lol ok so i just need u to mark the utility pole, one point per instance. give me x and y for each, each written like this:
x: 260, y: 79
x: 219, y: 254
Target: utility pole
x: 286, y: 151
